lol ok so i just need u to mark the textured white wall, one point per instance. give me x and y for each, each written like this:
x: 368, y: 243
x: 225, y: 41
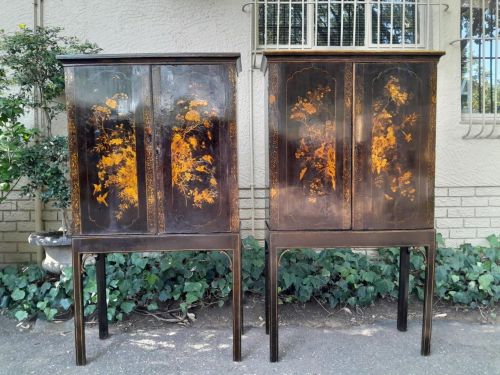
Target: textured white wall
x: 459, y: 162
x: 133, y: 26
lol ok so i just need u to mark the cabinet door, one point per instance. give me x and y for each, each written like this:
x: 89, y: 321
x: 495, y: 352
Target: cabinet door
x: 310, y: 145
x: 196, y: 144
x: 394, y: 135
x: 109, y: 118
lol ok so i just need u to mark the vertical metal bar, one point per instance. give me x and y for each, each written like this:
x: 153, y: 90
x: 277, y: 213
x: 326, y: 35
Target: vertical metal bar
x: 328, y: 24
x: 354, y: 24
x: 496, y: 64
x: 483, y: 64
x: 256, y: 10
x: 403, y: 19
x: 368, y: 23
x: 428, y: 24
x: 439, y: 28
x: 316, y: 23
x: 471, y: 62
x: 289, y: 24
x: 303, y: 39
x: 378, y: 25
x: 392, y: 23
x: 342, y: 23
x: 416, y: 23
x: 278, y: 25
x: 265, y: 23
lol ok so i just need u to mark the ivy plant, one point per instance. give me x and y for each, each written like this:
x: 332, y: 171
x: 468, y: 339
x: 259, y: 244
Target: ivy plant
x: 469, y: 276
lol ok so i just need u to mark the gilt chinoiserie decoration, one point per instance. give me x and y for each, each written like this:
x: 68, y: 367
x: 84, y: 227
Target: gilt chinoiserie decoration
x: 153, y: 162
x: 351, y: 159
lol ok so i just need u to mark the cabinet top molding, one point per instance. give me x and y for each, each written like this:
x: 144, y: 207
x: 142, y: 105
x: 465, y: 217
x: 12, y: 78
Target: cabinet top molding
x: 353, y: 53
x: 350, y: 55
x: 150, y: 58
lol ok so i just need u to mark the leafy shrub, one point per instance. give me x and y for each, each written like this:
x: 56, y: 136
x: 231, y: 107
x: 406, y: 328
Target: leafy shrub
x: 468, y: 275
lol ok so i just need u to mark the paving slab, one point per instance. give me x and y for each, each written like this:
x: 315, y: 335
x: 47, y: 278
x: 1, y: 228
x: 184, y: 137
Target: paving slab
x: 377, y: 348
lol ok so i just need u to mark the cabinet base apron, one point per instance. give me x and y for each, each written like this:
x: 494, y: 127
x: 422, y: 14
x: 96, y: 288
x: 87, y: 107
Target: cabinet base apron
x: 230, y: 243
x: 278, y: 241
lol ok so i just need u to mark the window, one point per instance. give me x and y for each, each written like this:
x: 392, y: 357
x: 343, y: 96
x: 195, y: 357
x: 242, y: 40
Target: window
x: 343, y: 23
x: 479, y: 60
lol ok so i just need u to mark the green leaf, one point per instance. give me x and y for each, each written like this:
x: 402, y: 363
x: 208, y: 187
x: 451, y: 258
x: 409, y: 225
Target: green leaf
x: 190, y: 298
x: 21, y: 315
x: 192, y: 287
x: 493, y: 240
x: 18, y: 294
x: 152, y: 306
x: 50, y: 313
x: 65, y: 303
x: 455, y: 278
x: 485, y: 281
x: 127, y: 307
x: 368, y: 276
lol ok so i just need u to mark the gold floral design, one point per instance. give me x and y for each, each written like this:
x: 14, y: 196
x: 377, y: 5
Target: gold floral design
x: 117, y: 165
x: 392, y: 127
x: 316, y: 150
x: 193, y: 167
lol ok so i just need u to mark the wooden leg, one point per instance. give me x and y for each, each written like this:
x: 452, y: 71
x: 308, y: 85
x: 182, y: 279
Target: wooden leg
x: 242, y: 298
x: 273, y: 302
x: 404, y: 280
x: 237, y: 302
x: 428, y: 296
x: 266, y: 285
x: 78, y: 309
x: 102, y: 306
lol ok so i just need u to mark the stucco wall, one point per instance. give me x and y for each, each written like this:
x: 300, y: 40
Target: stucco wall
x: 132, y: 26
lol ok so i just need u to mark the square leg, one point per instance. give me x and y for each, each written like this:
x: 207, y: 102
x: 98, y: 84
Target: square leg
x: 237, y: 294
x: 273, y: 302
x: 428, y: 298
x: 266, y: 285
x: 102, y: 305
x: 78, y: 309
x: 404, y: 280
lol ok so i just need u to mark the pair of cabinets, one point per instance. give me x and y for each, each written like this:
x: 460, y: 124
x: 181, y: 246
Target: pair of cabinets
x: 351, y: 141
x: 153, y: 144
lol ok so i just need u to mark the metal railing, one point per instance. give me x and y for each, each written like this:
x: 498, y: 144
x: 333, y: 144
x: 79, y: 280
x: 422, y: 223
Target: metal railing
x: 349, y: 24
x: 479, y: 44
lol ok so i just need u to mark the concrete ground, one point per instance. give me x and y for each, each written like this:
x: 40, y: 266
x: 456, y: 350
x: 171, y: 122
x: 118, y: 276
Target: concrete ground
x: 144, y: 347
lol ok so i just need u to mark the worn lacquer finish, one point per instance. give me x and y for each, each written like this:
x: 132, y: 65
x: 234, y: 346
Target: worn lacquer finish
x: 310, y: 145
x: 393, y: 170
x: 351, y: 161
x: 194, y: 116
x: 109, y: 122
x: 153, y: 157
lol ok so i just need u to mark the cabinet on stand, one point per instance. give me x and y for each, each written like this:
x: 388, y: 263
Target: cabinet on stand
x: 351, y: 160
x: 153, y: 157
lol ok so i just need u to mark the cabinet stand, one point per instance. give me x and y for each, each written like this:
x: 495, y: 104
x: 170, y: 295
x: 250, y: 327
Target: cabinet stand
x: 277, y: 241
x: 227, y: 242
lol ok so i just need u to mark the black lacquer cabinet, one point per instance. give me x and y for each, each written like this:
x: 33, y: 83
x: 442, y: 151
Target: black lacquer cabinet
x: 351, y: 158
x: 153, y: 156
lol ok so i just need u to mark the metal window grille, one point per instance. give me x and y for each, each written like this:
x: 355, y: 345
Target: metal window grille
x: 322, y: 24
x: 479, y: 44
